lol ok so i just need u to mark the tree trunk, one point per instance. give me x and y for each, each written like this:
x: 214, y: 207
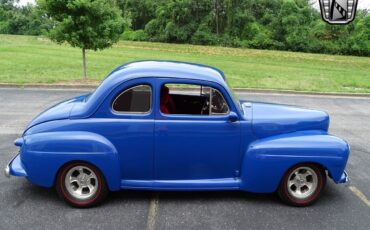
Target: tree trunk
x: 216, y: 14
x: 84, y: 63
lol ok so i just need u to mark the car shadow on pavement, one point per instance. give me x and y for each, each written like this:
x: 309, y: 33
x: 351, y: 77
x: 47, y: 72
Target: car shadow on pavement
x: 193, y: 196
x: 22, y: 190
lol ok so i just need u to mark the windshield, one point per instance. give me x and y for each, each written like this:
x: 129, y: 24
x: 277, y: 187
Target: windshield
x: 234, y: 97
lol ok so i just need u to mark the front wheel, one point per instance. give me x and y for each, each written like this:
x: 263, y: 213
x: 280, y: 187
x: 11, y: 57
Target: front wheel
x: 81, y: 185
x: 302, y: 184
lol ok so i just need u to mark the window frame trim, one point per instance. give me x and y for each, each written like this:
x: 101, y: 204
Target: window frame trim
x: 219, y: 115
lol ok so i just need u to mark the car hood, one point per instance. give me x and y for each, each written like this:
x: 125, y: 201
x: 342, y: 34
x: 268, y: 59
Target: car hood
x: 59, y: 111
x: 274, y: 119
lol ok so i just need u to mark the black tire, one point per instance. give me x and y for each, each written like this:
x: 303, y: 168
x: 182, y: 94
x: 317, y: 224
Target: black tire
x: 287, y: 194
x: 100, y: 190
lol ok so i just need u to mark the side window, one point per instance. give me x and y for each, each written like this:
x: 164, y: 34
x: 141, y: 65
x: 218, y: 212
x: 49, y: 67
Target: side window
x: 218, y: 103
x: 192, y: 100
x: 136, y: 99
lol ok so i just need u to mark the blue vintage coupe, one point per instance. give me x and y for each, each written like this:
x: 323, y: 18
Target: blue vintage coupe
x: 163, y: 125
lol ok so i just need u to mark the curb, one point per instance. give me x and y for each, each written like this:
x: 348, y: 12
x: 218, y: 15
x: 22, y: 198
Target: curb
x: 239, y: 90
x: 46, y: 86
x: 294, y: 92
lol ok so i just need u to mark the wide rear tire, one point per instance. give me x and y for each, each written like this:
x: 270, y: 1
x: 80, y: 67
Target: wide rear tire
x: 81, y: 185
x: 302, y: 184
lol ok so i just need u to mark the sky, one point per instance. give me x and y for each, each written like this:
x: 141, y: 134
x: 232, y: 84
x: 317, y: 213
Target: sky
x: 362, y: 4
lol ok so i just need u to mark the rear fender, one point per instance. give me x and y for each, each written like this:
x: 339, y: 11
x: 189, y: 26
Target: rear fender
x: 266, y: 160
x: 44, y: 154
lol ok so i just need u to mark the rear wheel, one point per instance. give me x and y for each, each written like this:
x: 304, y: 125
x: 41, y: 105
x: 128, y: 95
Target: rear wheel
x: 302, y: 184
x: 81, y: 185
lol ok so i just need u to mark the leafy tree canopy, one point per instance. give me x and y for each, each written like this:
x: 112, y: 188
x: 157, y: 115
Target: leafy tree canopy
x: 264, y: 24
x: 88, y: 24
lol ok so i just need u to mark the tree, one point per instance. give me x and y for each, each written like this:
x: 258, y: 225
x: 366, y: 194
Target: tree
x: 294, y: 25
x: 6, y: 10
x: 139, y: 11
x: 174, y: 22
x: 360, y: 39
x: 87, y: 24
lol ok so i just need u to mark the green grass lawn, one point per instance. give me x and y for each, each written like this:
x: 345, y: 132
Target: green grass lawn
x: 27, y: 59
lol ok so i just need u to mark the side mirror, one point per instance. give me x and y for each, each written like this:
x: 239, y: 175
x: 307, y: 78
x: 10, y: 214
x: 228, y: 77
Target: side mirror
x: 233, y: 117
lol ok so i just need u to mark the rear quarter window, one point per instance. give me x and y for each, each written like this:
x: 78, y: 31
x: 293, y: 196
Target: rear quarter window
x: 136, y: 99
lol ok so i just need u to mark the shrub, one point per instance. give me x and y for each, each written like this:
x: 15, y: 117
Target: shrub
x: 138, y: 35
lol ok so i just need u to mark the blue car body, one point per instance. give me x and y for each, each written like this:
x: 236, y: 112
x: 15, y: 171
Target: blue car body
x: 157, y: 151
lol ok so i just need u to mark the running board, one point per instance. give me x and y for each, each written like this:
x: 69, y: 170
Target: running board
x: 183, y: 185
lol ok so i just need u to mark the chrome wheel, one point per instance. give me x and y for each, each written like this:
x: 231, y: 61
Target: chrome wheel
x: 302, y: 182
x: 81, y: 182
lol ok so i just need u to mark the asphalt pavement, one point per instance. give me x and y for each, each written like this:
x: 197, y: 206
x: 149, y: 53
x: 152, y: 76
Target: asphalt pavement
x: 25, y: 206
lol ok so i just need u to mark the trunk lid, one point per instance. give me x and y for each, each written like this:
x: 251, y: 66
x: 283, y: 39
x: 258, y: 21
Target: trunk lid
x: 59, y: 111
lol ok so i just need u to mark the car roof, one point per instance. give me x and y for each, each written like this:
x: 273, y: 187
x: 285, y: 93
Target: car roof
x: 168, y: 69
x: 147, y: 69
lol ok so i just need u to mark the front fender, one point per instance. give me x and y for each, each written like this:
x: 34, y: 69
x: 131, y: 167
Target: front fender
x: 43, y: 154
x: 266, y: 160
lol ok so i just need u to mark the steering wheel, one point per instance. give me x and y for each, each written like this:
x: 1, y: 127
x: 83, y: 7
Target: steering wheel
x: 205, y: 108
x: 222, y: 106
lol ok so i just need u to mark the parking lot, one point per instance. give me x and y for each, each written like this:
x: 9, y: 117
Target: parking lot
x: 25, y: 206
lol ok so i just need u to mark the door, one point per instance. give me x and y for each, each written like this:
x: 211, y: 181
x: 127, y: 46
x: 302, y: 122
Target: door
x: 126, y: 118
x: 196, y: 140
